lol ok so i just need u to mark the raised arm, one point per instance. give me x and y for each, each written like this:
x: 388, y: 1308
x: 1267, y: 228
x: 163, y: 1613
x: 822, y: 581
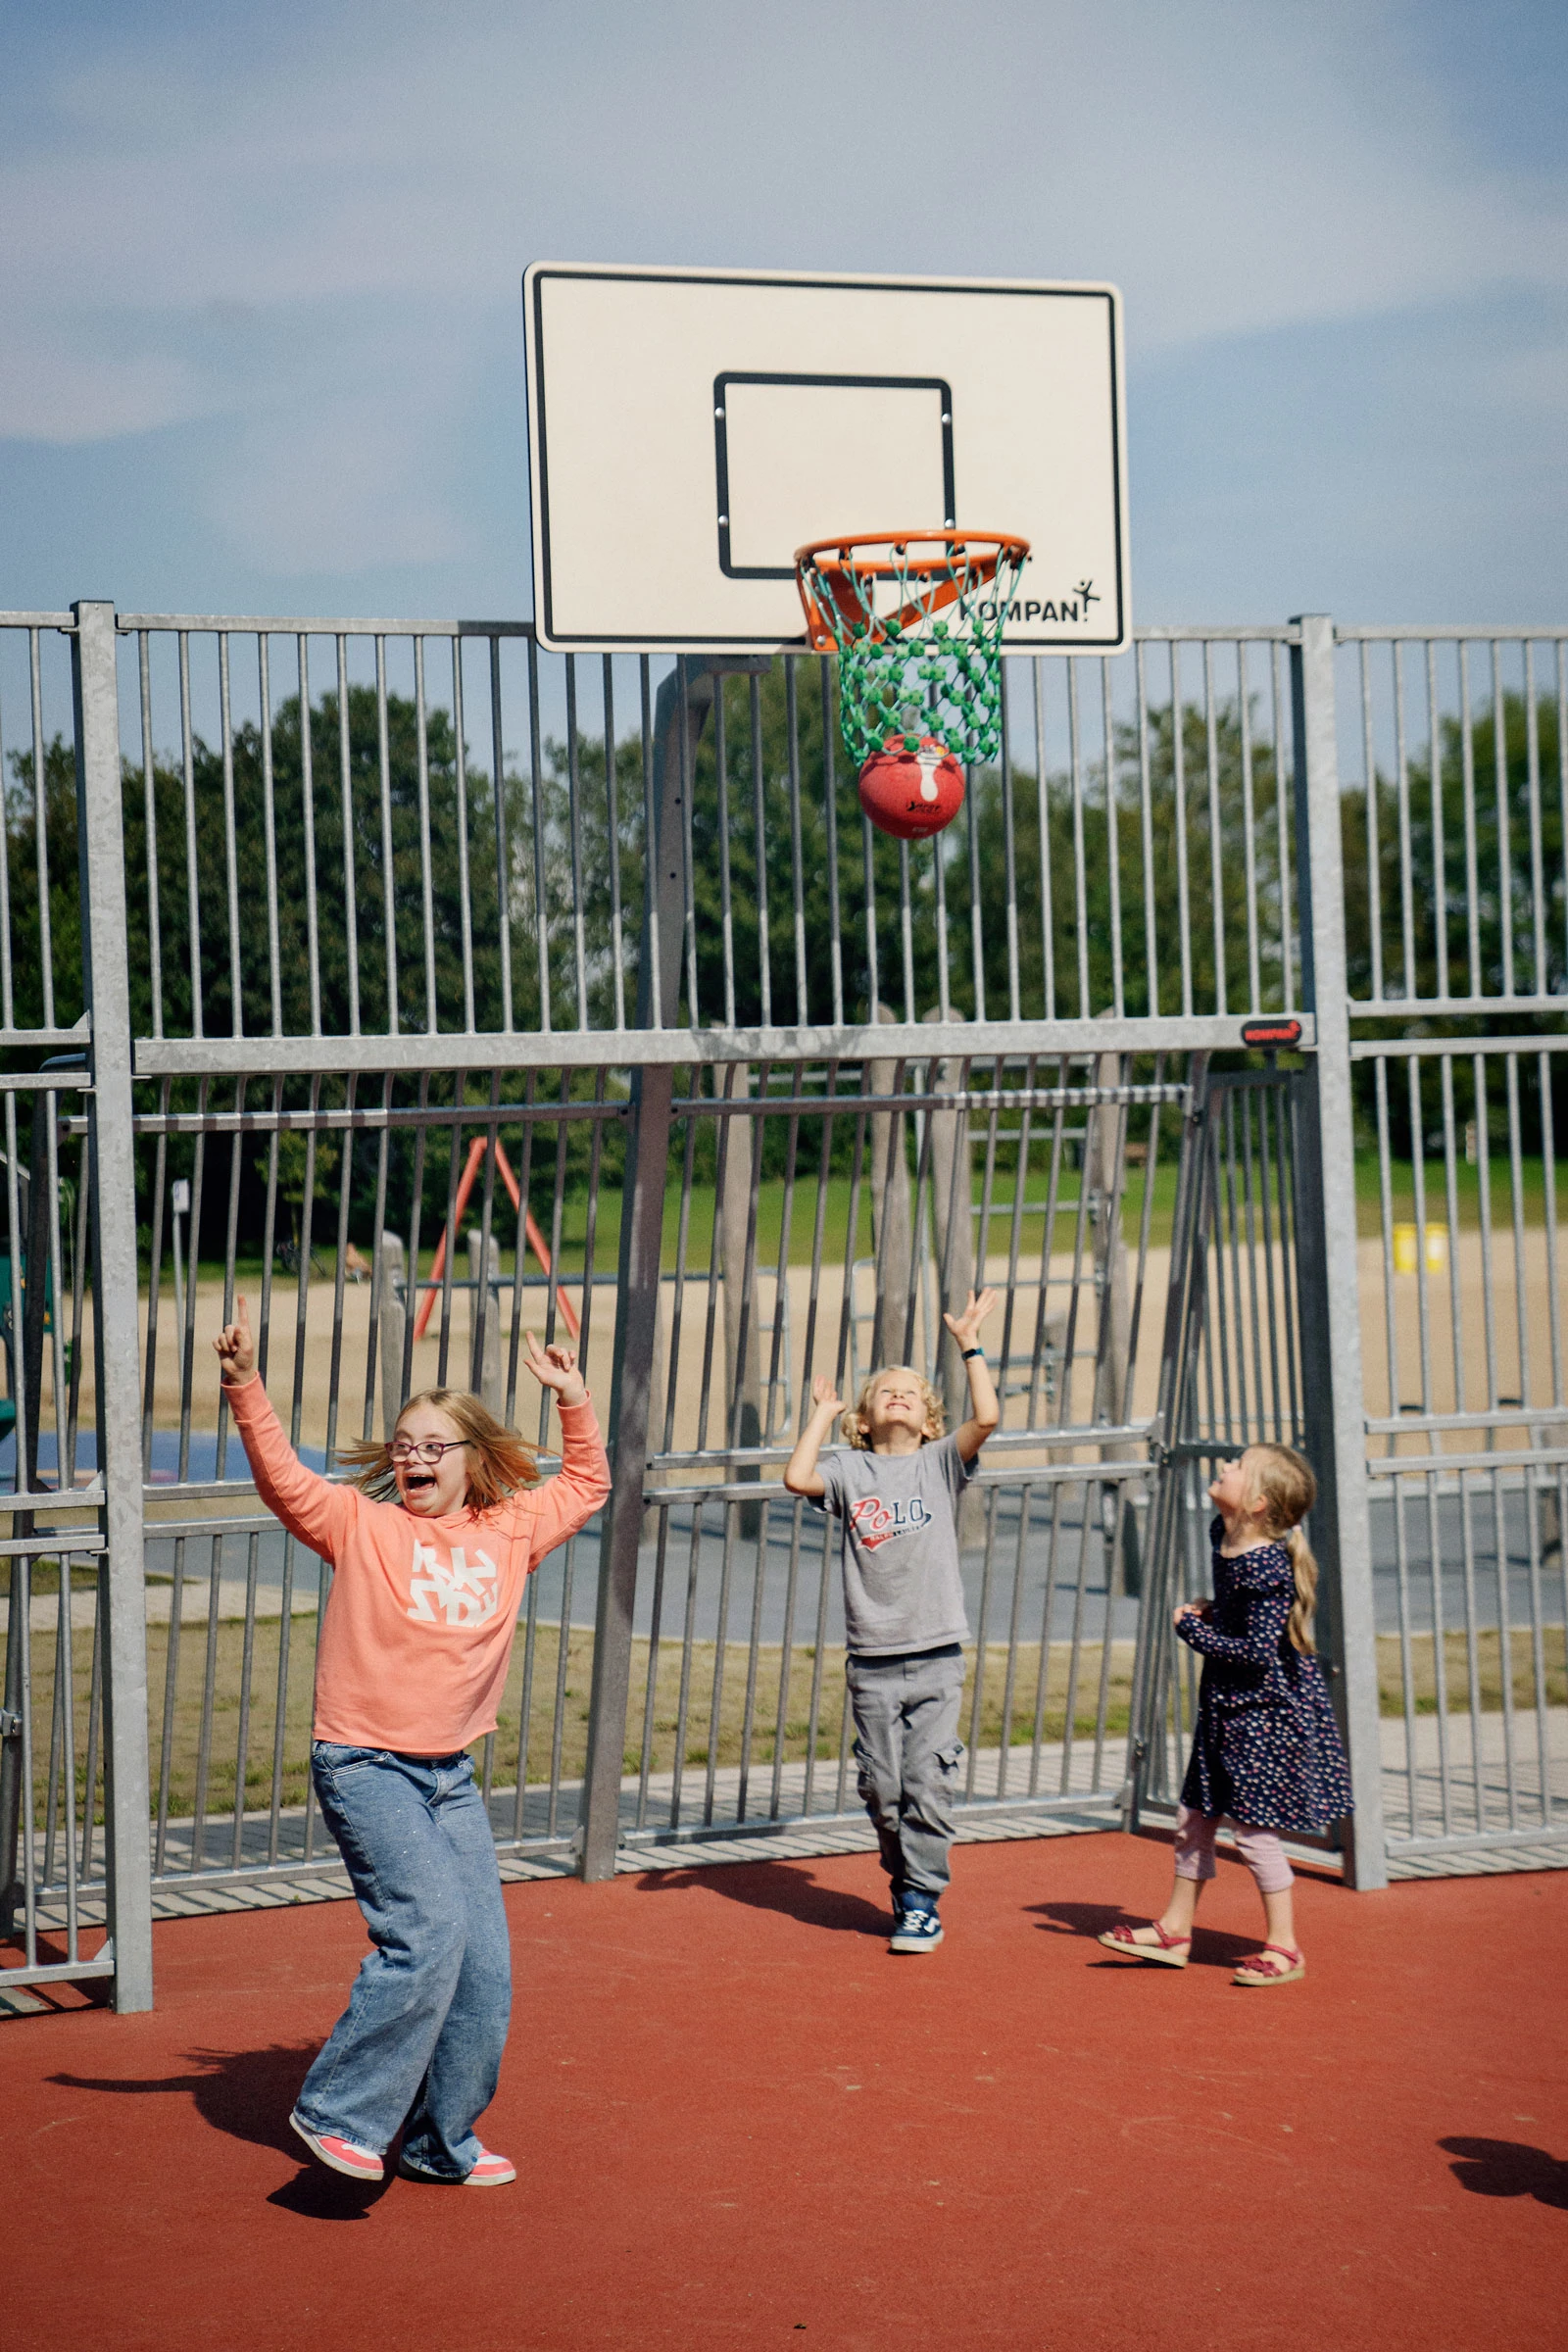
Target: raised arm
x: 800, y: 1473
x: 310, y: 1506
x: 984, y: 1411
x: 581, y: 1486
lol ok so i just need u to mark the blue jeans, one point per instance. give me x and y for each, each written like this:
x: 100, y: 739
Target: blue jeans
x: 420, y: 2043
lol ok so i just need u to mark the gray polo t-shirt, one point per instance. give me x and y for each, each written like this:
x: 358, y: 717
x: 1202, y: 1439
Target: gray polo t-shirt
x: 902, y: 1586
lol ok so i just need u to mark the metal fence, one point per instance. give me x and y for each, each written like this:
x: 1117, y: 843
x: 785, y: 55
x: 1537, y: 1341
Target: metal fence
x: 431, y: 989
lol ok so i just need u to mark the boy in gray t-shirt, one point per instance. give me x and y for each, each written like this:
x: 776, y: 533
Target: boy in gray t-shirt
x: 896, y: 1493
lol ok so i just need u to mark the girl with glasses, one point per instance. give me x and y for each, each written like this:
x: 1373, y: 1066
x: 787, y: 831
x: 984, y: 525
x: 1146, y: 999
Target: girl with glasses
x: 430, y: 1547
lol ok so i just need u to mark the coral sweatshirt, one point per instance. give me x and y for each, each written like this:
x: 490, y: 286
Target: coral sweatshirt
x: 421, y: 1617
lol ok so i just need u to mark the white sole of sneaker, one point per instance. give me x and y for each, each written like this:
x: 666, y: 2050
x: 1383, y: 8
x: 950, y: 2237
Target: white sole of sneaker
x: 412, y: 2172
x: 926, y: 1943
x: 323, y: 2155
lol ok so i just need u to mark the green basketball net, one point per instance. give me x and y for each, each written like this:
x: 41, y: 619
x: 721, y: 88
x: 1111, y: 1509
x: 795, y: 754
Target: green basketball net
x: 915, y: 619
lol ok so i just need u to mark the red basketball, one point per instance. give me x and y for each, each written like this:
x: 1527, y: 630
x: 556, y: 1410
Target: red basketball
x: 911, y: 788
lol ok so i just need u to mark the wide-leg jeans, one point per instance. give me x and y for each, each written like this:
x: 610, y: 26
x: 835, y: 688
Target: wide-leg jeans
x: 419, y: 2045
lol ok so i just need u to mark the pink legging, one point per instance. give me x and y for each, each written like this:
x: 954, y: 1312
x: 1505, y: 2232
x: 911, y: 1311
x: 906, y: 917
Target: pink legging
x: 1260, y: 1849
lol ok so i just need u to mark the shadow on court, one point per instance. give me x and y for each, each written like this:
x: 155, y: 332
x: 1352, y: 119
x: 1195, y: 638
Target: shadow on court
x: 783, y: 1886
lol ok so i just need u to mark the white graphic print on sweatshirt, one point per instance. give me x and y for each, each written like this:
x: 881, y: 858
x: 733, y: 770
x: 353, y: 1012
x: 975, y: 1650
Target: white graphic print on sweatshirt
x: 448, y: 1590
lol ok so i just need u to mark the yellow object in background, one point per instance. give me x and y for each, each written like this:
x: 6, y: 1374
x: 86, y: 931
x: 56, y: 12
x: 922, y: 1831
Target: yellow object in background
x: 1405, y: 1245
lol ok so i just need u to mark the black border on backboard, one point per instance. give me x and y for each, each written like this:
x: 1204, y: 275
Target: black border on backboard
x: 682, y: 641
x: 856, y: 383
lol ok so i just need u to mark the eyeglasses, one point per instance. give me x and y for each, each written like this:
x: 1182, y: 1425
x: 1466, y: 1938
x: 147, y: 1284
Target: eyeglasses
x: 427, y: 1450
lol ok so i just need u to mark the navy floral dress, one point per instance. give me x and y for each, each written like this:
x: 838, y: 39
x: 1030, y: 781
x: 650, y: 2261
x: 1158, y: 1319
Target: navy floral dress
x: 1268, y: 1749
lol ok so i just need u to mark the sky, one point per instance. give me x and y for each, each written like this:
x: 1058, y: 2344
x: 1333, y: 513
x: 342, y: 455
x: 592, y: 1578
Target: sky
x: 260, y: 270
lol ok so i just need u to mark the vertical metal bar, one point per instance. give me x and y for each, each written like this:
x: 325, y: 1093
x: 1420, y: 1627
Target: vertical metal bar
x: 727, y: 908
x: 313, y: 935
x: 230, y: 846
x: 1282, y: 825
x: 1217, y: 829
x: 579, y: 940
x: 149, y: 785
x: 537, y: 774
x: 1244, y: 721
x: 40, y: 835
x: 830, y: 803
x: 765, y: 958
x: 101, y: 850
x: 618, y: 958
x: 269, y: 827
x: 351, y: 911
x: 8, y: 1010
x: 1401, y: 786
x: 427, y: 902
x: 193, y: 916
x: 459, y: 755
x: 1374, y: 862
x: 1538, y: 885
x: 1500, y: 768
x: 1112, y: 841
x: 389, y: 885
x: 1334, y: 1384
x: 1146, y: 808
x: 791, y: 726
x: 1472, y: 879
x: 1048, y: 951
x: 1178, y: 787
x: 1440, y: 854
x: 977, y: 960
x: 1009, y: 861
x: 1079, y: 855
x: 498, y: 770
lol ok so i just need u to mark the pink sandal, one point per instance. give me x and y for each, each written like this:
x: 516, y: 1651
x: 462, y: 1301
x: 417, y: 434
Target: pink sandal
x: 1261, y: 1971
x: 1169, y: 1951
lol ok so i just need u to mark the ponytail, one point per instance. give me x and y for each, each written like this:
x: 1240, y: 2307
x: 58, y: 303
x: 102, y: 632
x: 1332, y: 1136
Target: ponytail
x: 1303, y: 1567
x: 1284, y: 1478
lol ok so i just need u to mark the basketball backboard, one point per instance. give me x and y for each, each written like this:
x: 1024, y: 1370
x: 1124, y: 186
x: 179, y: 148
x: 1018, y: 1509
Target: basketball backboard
x: 690, y: 428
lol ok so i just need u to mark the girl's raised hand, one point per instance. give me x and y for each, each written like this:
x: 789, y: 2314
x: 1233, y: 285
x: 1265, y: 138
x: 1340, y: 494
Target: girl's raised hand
x: 556, y: 1367
x: 965, y: 1327
x: 237, y: 1349
x: 825, y: 1395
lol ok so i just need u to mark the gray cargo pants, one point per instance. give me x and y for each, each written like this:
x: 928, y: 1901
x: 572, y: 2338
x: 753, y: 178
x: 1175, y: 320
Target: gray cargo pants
x: 907, y: 1747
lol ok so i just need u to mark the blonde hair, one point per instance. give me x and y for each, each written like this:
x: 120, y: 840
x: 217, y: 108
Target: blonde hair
x: 1282, y: 1478
x: 852, y: 1425
x: 499, y: 1460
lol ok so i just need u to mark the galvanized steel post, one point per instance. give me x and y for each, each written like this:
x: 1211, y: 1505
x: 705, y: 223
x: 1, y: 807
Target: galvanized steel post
x: 101, y: 857
x: 632, y: 1398
x: 1331, y: 1335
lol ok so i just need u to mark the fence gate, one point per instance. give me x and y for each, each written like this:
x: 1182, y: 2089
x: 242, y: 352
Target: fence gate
x: 1235, y: 1373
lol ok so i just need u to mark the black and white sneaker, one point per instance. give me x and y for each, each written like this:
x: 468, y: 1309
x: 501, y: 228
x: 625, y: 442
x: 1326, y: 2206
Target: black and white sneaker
x: 917, y: 1930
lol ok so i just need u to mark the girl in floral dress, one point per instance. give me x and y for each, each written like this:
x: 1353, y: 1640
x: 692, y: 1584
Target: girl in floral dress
x: 1266, y: 1751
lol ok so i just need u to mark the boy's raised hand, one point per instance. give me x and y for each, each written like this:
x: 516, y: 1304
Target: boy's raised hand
x: 235, y: 1348
x: 556, y: 1367
x: 824, y: 1394
x: 965, y: 1327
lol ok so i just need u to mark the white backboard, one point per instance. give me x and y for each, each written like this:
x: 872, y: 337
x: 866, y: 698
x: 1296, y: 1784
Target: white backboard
x: 690, y: 428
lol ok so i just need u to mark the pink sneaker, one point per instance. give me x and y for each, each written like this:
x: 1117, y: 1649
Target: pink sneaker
x: 489, y: 2171
x: 343, y: 2155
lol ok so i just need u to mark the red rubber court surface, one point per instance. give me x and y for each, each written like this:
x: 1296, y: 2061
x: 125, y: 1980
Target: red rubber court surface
x: 739, y: 2121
